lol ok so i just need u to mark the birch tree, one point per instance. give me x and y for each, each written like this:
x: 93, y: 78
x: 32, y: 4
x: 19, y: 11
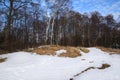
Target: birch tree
x: 53, y: 7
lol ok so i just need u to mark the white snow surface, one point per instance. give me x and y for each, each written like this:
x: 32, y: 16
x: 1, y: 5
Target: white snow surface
x: 28, y: 66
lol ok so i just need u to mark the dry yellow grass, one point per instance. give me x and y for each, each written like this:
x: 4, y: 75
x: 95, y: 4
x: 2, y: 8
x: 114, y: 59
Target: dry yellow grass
x: 50, y: 50
x: 71, y: 52
x: 85, y: 50
x: 2, y: 60
x: 110, y: 50
x: 46, y: 50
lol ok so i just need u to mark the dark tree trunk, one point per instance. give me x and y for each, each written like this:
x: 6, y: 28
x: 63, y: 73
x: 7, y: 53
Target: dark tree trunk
x: 8, y: 27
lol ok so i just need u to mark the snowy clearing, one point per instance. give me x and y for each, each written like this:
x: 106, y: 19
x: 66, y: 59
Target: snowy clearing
x: 28, y: 66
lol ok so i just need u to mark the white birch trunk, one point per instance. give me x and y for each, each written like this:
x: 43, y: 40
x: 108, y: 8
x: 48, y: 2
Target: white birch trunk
x: 47, y: 30
x: 52, y: 31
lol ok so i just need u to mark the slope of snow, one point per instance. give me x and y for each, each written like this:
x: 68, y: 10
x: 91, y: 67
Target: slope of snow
x: 28, y: 66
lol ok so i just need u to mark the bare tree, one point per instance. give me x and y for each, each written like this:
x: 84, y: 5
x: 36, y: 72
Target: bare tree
x: 11, y: 6
x: 53, y: 7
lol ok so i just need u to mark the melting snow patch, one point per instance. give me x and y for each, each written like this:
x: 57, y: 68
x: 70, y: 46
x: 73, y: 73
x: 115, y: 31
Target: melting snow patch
x: 60, y: 52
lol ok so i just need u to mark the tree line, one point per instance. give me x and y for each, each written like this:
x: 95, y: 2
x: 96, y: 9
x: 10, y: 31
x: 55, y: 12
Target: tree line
x: 25, y: 23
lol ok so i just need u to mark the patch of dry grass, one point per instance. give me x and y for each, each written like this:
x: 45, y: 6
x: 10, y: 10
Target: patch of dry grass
x: 71, y: 52
x: 2, y: 60
x: 46, y: 50
x: 110, y: 50
x: 50, y: 50
x: 85, y: 50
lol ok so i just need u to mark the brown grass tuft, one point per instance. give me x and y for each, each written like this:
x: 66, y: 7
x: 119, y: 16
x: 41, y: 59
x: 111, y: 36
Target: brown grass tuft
x: 110, y: 50
x: 2, y: 60
x: 85, y: 50
x: 45, y: 50
x: 71, y: 52
x: 50, y: 50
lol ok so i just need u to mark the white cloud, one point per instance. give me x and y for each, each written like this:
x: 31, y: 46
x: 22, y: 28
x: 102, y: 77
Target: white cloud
x: 103, y: 6
x: 114, y: 6
x: 114, y: 9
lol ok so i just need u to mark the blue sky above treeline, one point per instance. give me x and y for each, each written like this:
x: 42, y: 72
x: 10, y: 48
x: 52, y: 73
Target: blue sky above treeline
x: 103, y: 6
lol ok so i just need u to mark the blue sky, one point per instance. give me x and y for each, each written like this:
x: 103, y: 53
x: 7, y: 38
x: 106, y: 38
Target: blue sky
x: 103, y: 6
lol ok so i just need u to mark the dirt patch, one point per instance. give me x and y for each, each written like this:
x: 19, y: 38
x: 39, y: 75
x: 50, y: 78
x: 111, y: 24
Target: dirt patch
x: 83, y: 59
x: 2, y: 60
x: 104, y: 66
x: 50, y: 50
x: 91, y: 61
x: 110, y: 50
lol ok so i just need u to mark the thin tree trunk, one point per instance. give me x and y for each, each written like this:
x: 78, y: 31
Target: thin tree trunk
x: 47, y: 30
x: 52, y: 32
x: 83, y: 36
x: 26, y: 31
x: 8, y: 27
x: 59, y: 35
x: 89, y: 36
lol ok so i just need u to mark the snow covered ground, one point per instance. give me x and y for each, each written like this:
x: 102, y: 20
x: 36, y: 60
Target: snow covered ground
x: 28, y: 66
